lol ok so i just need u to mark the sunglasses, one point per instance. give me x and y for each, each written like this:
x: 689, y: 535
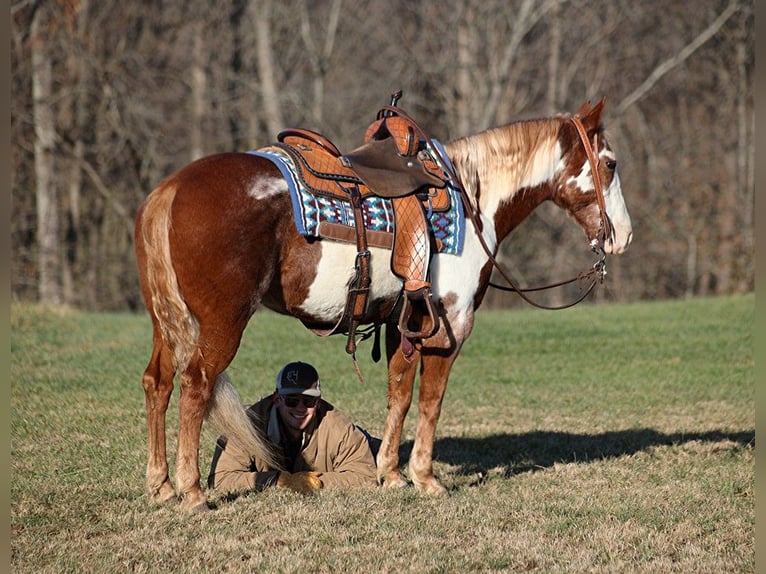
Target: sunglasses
x: 292, y: 401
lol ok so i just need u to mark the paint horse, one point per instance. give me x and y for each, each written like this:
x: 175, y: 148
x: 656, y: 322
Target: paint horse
x: 216, y: 240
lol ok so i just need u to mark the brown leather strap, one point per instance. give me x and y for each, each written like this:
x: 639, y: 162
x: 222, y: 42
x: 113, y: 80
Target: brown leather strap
x: 593, y: 160
x: 356, y: 304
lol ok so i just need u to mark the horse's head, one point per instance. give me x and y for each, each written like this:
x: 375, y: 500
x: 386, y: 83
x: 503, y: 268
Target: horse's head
x: 577, y: 192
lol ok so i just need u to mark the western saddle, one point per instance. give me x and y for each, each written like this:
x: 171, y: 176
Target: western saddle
x: 394, y: 162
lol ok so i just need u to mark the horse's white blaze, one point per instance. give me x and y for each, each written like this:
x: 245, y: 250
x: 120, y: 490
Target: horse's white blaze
x: 265, y: 188
x: 622, y: 229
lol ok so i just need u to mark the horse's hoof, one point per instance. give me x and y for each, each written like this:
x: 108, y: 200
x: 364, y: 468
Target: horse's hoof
x: 164, y: 494
x: 199, y: 508
x: 393, y: 480
x: 431, y: 487
x: 195, y: 507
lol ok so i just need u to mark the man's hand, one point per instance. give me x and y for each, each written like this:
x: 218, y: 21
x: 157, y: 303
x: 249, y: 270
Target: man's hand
x: 303, y: 482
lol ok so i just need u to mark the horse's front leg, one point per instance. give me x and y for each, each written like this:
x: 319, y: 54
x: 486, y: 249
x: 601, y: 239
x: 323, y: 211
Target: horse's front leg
x: 401, y: 377
x: 158, y: 386
x: 433, y: 384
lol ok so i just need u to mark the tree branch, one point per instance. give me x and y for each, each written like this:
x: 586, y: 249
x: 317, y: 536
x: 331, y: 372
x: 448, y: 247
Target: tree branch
x: 677, y: 59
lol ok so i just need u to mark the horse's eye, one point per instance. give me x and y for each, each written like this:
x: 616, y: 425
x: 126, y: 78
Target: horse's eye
x: 611, y: 164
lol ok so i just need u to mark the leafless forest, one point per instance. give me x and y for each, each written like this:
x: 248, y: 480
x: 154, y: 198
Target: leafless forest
x: 109, y: 97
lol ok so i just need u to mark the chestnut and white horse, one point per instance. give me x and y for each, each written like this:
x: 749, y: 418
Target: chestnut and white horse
x: 216, y: 240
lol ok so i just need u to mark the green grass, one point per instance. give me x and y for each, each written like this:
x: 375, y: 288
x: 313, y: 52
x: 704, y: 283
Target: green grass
x: 615, y: 438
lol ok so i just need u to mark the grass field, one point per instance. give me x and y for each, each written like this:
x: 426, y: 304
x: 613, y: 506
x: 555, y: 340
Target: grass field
x: 616, y: 438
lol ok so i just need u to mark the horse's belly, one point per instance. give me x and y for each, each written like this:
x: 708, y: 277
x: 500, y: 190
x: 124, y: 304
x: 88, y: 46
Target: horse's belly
x: 328, y: 292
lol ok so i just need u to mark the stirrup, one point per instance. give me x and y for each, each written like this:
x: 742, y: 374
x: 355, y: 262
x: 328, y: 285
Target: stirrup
x: 422, y: 294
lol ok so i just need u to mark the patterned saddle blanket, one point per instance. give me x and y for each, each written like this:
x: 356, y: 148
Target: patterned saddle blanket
x: 331, y: 217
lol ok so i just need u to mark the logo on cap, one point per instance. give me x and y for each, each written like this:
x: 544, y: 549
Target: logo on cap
x: 298, y: 378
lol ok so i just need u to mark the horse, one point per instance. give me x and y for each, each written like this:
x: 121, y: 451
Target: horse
x: 216, y: 240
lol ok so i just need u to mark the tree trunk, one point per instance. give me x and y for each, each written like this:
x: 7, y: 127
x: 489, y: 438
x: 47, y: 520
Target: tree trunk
x: 466, y: 31
x: 48, y: 262
x: 75, y: 255
x: 745, y: 169
x: 265, y: 56
x: 198, y: 91
x: 319, y: 56
x: 554, y: 60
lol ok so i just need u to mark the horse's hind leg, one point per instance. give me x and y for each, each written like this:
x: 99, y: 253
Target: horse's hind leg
x: 158, y: 385
x: 196, y: 387
x: 218, y: 341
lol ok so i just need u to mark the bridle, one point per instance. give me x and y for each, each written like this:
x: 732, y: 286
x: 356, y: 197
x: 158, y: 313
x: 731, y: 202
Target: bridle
x: 598, y: 270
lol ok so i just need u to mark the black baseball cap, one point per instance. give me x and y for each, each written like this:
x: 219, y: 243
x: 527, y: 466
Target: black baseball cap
x: 298, y: 378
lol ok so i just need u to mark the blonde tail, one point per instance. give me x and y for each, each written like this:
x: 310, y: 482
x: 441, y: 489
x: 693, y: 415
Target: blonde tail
x: 228, y: 416
x: 178, y: 326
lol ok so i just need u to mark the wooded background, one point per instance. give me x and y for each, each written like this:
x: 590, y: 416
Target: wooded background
x: 109, y: 97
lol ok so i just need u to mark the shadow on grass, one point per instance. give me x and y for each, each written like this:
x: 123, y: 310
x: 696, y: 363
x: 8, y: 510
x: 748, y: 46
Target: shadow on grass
x: 537, y: 450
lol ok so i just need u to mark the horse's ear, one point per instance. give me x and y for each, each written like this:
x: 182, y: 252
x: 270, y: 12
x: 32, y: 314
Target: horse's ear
x: 598, y: 108
x: 584, y: 109
x: 591, y: 119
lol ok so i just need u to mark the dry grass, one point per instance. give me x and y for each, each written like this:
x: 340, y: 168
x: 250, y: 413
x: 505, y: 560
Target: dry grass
x: 606, y: 439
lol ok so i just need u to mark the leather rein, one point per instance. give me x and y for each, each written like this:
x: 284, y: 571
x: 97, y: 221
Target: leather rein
x: 596, y: 273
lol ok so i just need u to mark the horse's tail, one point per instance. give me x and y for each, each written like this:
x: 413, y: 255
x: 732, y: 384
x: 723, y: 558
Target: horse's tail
x: 228, y: 416
x: 179, y: 328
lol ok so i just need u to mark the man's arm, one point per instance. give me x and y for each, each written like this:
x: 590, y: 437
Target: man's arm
x: 350, y: 462
x: 233, y: 470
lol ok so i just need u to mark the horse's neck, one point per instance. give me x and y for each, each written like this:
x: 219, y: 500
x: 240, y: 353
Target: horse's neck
x: 508, y: 171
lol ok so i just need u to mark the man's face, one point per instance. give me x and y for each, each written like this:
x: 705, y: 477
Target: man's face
x: 297, y: 411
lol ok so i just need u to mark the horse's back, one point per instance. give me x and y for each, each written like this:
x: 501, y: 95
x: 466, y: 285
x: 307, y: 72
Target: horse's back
x: 224, y: 177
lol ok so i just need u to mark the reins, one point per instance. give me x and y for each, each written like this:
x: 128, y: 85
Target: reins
x: 597, y: 271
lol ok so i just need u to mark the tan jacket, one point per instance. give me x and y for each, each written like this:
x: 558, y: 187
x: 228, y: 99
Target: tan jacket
x: 332, y: 446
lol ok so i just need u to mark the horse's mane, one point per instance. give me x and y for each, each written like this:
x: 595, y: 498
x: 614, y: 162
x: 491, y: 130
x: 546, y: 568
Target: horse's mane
x: 506, y: 151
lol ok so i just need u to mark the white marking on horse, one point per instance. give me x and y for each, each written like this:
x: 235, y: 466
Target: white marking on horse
x: 519, y: 173
x: 618, y: 214
x: 622, y: 230
x: 583, y: 180
x: 267, y: 187
x: 460, y: 274
x: 328, y: 292
x: 542, y: 165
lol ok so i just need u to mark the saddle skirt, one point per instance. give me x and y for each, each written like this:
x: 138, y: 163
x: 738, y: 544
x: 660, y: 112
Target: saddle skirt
x: 319, y: 183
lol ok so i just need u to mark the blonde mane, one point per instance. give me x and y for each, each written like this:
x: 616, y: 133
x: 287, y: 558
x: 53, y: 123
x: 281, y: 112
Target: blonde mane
x: 511, y: 157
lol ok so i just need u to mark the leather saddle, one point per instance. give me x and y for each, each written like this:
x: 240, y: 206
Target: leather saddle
x: 395, y: 163
x: 377, y: 167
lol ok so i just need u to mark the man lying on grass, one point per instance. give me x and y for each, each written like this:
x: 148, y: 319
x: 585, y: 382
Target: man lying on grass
x: 321, y: 447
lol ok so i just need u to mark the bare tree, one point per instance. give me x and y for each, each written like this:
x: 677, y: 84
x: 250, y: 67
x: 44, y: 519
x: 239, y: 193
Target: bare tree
x: 109, y: 97
x: 49, y: 262
x: 198, y: 90
x: 678, y: 58
x: 319, y: 53
x: 270, y: 101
